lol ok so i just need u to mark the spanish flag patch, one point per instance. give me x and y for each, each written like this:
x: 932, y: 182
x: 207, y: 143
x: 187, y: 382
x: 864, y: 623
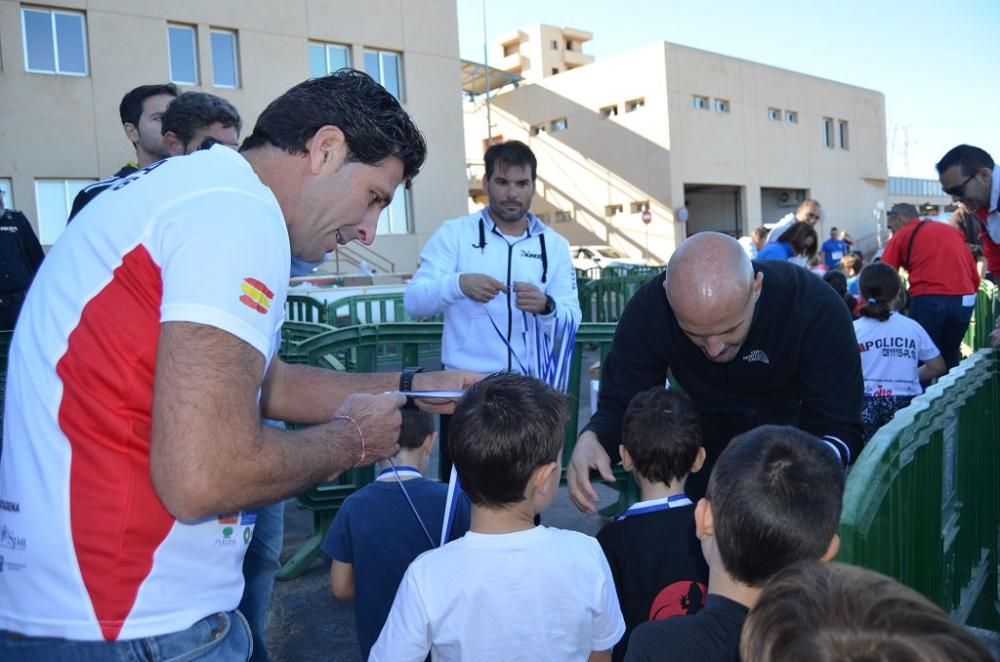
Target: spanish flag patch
x: 256, y: 295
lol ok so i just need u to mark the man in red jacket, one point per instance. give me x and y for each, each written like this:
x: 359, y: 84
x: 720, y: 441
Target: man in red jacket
x: 943, y: 276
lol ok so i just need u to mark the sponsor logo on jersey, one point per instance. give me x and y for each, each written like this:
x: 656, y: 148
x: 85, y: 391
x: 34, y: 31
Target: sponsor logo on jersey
x: 248, y: 517
x: 256, y: 295
x: 247, y: 533
x: 10, y: 540
x: 10, y: 506
x: 228, y: 518
x: 757, y: 356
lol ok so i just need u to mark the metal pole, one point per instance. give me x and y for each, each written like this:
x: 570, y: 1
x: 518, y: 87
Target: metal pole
x: 486, y: 74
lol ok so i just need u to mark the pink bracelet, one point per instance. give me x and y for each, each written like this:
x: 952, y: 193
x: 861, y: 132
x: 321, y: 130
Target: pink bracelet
x: 364, y: 451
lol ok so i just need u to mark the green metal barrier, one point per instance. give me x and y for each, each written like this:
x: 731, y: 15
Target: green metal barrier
x: 302, y: 308
x: 367, y: 309
x: 983, y: 317
x: 921, y: 502
x: 356, y: 349
x: 604, y: 300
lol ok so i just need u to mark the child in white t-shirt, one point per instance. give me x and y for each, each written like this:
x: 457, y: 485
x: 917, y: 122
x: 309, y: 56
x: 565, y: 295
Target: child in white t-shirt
x: 891, y: 347
x: 508, y: 590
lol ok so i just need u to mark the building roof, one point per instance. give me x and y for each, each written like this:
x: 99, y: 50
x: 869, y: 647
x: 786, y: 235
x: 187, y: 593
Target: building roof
x: 479, y: 78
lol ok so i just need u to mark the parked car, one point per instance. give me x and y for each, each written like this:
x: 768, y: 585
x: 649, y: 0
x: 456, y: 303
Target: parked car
x: 586, y: 258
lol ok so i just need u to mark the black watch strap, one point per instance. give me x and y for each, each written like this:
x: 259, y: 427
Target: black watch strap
x: 406, y: 378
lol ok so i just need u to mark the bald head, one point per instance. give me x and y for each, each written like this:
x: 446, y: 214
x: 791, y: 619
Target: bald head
x: 711, y: 288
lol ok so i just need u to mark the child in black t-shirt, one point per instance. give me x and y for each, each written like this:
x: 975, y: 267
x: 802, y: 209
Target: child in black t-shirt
x: 652, y: 549
x: 774, y: 498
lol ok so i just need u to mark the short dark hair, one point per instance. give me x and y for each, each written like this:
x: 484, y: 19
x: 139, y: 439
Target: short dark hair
x: 192, y: 111
x: 510, y: 153
x: 797, y: 235
x: 374, y: 124
x: 968, y: 157
x: 879, y: 286
x: 761, y: 232
x: 505, y: 427
x: 833, y: 611
x: 130, y: 109
x: 417, y: 426
x: 776, y: 494
x: 662, y: 433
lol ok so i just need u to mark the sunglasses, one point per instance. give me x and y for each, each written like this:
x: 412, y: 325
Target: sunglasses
x: 959, y: 191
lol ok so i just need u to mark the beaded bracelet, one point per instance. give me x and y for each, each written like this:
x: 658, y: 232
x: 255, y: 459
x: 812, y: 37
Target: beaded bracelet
x: 364, y: 450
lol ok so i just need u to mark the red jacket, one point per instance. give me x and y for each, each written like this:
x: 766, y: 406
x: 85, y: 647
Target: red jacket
x: 940, y: 261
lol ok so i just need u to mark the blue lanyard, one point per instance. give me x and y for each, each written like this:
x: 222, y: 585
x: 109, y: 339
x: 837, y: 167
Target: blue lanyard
x: 654, y: 505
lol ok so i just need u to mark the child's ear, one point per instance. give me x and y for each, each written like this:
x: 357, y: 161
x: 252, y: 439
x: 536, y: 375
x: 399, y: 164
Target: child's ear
x: 543, y: 475
x: 832, y: 550
x: 704, y: 522
x: 699, y: 460
x: 428, y: 445
x: 626, y: 458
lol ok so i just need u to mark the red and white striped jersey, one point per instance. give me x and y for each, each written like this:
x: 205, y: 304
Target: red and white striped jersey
x: 88, y: 551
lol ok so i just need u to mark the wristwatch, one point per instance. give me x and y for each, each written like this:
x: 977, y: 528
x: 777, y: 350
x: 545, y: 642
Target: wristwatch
x: 550, y: 305
x: 406, y: 378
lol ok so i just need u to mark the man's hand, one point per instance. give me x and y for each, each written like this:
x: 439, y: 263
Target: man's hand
x: 379, y: 420
x: 480, y: 287
x: 588, y: 454
x: 529, y: 298
x: 443, y: 380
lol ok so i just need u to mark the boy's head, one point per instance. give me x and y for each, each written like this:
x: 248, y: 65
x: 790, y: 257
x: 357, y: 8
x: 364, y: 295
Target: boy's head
x: 505, y: 428
x: 831, y: 611
x: 661, y: 435
x: 417, y: 427
x: 774, y: 498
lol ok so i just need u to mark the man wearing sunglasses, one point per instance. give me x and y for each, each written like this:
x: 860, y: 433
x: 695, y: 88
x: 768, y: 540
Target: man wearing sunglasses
x: 970, y: 177
x: 810, y: 211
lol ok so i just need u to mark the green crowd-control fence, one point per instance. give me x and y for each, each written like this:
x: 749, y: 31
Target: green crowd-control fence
x: 983, y: 316
x: 604, y: 300
x: 302, y: 308
x: 921, y: 502
x: 356, y: 349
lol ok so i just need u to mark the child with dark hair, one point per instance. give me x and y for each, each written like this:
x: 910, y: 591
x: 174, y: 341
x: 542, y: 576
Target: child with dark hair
x: 509, y: 589
x: 891, y: 346
x: 838, y: 281
x: 797, y: 244
x: 832, y: 611
x: 774, y: 498
x: 652, y: 549
x: 386, y: 524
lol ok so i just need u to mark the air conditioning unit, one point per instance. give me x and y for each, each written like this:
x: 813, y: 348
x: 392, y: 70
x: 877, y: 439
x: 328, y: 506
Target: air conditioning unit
x: 791, y: 198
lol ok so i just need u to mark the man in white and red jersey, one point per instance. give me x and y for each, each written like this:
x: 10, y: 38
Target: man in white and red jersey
x: 144, y: 360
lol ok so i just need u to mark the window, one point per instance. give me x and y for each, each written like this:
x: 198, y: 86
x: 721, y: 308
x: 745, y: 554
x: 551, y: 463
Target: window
x: 828, y: 132
x: 8, y: 197
x: 722, y: 105
x: 842, y: 130
x: 701, y: 103
x: 611, y: 210
x: 633, y: 105
x: 326, y: 58
x: 55, y: 42
x: 393, y: 219
x: 509, y: 49
x: 54, y: 199
x: 791, y: 117
x: 609, y: 111
x: 383, y: 66
x: 555, y: 70
x: 538, y: 128
x: 554, y: 44
x: 774, y: 114
x: 225, y: 71
x: 569, y: 45
x: 182, y: 50
x: 558, y: 125
x: 638, y: 207
x: 564, y: 216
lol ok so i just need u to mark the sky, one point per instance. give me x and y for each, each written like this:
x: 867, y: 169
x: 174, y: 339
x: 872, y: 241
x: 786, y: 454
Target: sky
x: 934, y: 61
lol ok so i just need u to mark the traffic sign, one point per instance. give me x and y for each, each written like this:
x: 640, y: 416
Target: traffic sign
x: 647, y: 217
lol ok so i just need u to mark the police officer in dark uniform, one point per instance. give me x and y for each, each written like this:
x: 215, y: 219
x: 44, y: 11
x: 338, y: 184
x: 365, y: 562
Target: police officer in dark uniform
x: 20, y: 257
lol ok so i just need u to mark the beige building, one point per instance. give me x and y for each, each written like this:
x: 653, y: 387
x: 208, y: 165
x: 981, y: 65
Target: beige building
x: 665, y: 127
x: 540, y: 51
x: 67, y: 63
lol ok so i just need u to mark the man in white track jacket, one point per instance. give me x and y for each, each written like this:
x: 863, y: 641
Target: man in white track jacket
x: 504, y: 281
